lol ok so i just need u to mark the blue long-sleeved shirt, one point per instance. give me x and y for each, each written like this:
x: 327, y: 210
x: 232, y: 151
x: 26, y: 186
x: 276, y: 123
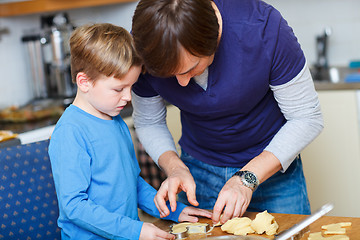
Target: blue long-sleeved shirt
x: 97, y: 178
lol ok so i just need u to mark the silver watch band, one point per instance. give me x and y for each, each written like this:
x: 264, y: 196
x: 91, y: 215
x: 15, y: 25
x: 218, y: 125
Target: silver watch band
x: 248, y: 179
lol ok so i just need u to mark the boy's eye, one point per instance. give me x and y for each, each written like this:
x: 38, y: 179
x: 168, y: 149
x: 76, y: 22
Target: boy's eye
x: 118, y: 90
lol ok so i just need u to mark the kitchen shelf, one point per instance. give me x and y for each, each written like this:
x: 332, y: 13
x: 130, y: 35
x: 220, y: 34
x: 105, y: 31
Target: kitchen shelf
x: 40, y: 6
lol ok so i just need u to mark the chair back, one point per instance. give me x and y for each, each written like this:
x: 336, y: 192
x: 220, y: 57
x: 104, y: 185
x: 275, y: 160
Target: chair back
x: 28, y: 203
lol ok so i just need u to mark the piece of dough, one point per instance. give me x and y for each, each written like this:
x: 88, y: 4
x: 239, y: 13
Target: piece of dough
x: 341, y: 224
x: 199, y: 228
x: 315, y: 236
x: 336, y: 228
x: 217, y: 224
x: 264, y: 222
x: 244, y: 231
x: 318, y: 236
x: 238, y: 226
x: 181, y: 227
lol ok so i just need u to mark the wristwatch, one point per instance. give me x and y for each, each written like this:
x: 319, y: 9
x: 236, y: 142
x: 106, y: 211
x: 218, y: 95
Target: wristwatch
x: 249, y: 179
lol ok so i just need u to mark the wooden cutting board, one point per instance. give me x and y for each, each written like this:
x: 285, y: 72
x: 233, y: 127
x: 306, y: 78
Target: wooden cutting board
x: 286, y: 221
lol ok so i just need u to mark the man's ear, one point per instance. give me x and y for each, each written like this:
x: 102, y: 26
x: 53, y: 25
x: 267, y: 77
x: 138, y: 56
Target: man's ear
x: 83, y: 81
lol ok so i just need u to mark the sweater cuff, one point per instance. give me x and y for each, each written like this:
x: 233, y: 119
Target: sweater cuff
x: 174, y: 216
x: 136, y: 230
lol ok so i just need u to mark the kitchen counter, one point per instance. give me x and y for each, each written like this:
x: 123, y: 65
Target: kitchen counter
x: 41, y: 129
x: 338, y: 83
x: 327, y: 85
x: 285, y: 221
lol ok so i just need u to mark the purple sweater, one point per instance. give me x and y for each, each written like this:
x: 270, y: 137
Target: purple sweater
x: 235, y: 118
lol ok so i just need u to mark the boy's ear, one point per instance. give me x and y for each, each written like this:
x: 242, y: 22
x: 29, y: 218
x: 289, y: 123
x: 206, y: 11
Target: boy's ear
x: 83, y: 82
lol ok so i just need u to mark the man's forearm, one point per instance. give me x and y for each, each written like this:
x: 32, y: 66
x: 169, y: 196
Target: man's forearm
x: 150, y: 125
x: 264, y: 166
x: 170, y: 161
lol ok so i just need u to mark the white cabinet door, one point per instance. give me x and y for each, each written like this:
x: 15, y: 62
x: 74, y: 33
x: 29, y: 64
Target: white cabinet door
x: 332, y: 161
x: 174, y: 124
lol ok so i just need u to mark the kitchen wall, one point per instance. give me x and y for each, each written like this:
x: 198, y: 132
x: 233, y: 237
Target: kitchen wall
x: 15, y: 86
x: 307, y: 17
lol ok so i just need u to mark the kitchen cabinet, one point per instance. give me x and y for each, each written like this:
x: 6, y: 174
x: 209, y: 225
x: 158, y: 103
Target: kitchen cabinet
x: 174, y: 124
x: 38, y: 6
x: 332, y: 160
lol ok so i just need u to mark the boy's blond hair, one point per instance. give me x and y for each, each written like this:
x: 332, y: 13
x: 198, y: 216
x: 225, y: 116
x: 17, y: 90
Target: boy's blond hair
x: 102, y: 49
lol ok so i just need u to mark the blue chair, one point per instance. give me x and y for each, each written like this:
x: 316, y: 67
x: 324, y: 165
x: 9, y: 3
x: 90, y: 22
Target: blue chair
x: 28, y: 203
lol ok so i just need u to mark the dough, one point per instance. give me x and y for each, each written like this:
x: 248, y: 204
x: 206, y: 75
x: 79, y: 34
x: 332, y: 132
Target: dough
x: 336, y: 228
x: 181, y: 227
x: 238, y: 226
x: 265, y: 223
x: 318, y: 236
x: 197, y: 228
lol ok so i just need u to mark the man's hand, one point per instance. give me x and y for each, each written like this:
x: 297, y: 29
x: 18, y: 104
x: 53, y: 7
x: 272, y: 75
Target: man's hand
x: 150, y: 232
x: 234, y: 197
x: 189, y: 214
x: 179, y: 180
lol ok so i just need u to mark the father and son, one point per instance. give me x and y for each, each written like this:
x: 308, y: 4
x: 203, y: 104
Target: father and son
x: 248, y: 108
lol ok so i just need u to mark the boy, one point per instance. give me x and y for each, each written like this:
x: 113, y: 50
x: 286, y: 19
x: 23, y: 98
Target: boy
x: 93, y: 161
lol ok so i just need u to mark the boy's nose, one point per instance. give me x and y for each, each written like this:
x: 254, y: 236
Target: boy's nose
x: 127, y: 96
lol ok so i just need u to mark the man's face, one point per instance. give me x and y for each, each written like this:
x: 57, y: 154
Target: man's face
x: 191, y: 66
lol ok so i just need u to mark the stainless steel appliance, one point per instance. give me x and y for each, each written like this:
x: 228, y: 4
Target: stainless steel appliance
x: 49, y: 58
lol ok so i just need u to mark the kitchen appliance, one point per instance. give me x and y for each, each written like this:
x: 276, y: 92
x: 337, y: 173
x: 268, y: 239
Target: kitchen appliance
x: 36, y: 63
x: 49, y: 58
x: 322, y: 63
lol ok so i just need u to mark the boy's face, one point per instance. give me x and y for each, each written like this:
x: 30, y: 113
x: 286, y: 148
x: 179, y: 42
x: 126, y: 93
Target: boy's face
x: 108, y: 95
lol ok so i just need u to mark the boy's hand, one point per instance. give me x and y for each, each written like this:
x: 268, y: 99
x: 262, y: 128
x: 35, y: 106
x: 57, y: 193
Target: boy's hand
x: 150, y: 232
x: 189, y: 214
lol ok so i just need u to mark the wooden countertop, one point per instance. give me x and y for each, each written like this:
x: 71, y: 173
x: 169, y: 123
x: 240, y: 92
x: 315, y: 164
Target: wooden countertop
x: 286, y: 221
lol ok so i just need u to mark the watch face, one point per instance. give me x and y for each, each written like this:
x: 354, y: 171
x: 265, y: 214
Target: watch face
x: 249, y: 177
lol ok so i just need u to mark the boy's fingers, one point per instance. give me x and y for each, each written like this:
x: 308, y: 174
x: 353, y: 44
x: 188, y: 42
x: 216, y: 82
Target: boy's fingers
x: 191, y: 219
x: 204, y: 213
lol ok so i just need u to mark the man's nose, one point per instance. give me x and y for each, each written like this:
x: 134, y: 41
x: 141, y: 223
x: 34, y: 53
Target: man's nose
x: 183, y: 80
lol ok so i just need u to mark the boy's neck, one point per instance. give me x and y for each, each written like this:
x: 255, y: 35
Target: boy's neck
x: 84, y: 105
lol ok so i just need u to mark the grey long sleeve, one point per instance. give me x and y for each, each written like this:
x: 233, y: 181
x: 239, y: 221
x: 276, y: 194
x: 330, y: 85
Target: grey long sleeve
x: 299, y: 103
x: 150, y: 125
x: 297, y: 100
